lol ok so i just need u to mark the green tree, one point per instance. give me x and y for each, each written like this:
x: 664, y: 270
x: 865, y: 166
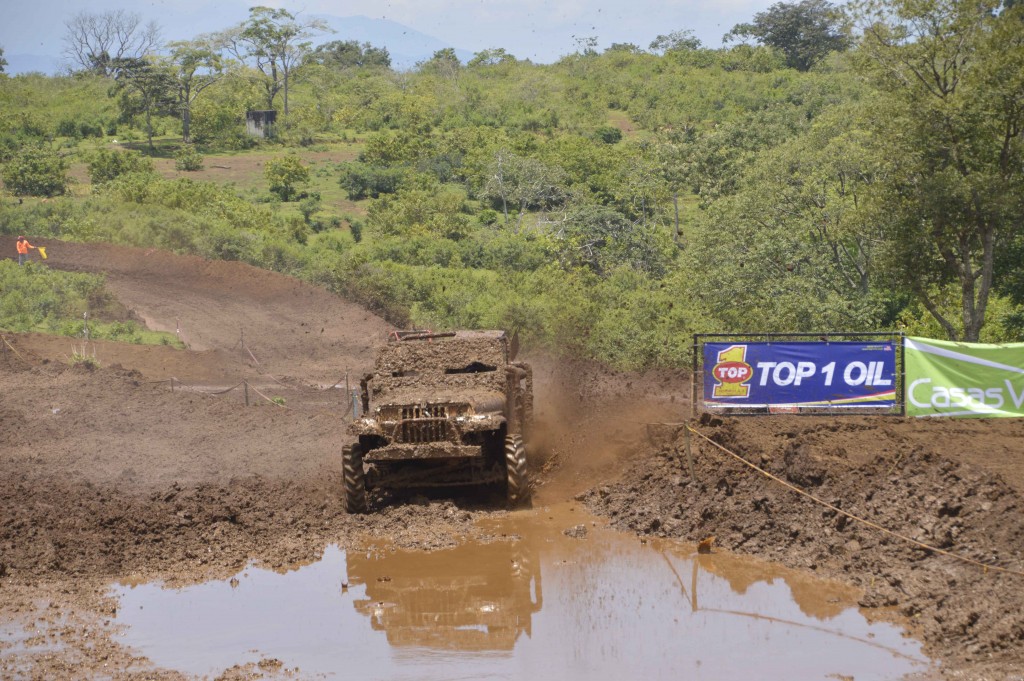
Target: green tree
x: 795, y: 247
x: 362, y: 180
x: 444, y: 63
x: 604, y: 239
x: 309, y: 207
x: 628, y: 48
x: 609, y: 134
x: 275, y: 42
x: 675, y: 41
x: 195, y: 65
x: 950, y: 120
x: 491, y: 57
x: 188, y: 159
x: 712, y: 162
x: 410, y: 213
x: 219, y: 117
x: 523, y: 182
x: 285, y: 174
x: 36, y: 171
x: 347, y: 54
x: 147, y: 87
x: 3, y: 62
x: 108, y: 164
x: 805, y: 31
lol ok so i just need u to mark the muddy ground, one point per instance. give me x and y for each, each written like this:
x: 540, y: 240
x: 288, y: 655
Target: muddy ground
x: 954, y: 486
x: 110, y: 474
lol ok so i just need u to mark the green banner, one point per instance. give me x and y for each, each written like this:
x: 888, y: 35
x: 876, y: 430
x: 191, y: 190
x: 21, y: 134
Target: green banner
x: 975, y: 380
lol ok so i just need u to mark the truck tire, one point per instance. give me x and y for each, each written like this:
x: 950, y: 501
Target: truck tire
x: 518, y: 477
x: 355, y: 485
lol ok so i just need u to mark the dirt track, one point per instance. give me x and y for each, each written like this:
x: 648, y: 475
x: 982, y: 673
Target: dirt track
x: 110, y: 474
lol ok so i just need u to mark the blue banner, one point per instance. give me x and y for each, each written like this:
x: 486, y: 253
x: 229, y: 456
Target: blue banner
x: 800, y: 374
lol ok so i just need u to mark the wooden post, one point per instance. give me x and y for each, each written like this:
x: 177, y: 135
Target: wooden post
x: 693, y: 376
x: 245, y: 385
x: 689, y: 452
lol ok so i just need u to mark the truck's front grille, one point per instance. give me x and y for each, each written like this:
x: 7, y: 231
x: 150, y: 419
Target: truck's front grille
x: 417, y: 431
x: 422, y: 423
x: 427, y: 411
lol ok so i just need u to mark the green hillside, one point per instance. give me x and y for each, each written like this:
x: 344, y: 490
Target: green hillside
x: 608, y: 205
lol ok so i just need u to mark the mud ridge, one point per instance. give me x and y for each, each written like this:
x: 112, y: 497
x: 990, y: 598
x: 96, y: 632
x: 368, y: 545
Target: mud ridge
x: 965, y: 615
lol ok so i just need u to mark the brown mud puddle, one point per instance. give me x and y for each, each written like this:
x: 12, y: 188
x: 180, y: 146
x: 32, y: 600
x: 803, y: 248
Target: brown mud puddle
x: 555, y: 595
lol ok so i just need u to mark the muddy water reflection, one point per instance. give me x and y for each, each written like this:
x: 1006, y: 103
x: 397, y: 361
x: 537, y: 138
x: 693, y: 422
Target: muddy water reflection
x: 474, y: 597
x: 534, y: 604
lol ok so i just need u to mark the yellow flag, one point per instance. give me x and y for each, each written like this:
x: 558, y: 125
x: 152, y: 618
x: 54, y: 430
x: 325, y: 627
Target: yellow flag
x: 42, y: 251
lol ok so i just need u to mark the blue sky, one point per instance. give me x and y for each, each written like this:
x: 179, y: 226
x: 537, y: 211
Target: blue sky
x: 540, y: 30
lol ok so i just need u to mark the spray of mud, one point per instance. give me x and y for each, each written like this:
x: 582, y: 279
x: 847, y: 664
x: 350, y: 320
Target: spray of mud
x: 590, y: 421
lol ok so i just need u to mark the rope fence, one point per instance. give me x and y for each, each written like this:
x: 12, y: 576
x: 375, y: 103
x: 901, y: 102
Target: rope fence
x: 246, y: 386
x: 349, y: 404
x: 896, y: 535
x: 7, y: 344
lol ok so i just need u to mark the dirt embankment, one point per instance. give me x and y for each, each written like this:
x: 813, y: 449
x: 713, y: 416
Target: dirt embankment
x: 929, y: 482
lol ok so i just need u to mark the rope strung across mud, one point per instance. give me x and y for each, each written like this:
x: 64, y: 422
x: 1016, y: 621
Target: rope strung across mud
x: 849, y: 515
x: 18, y: 354
x: 182, y: 385
x: 256, y: 390
x: 173, y: 381
x: 240, y: 384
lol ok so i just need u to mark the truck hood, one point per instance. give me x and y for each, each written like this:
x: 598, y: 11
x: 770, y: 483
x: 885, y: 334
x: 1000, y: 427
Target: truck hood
x: 480, y: 401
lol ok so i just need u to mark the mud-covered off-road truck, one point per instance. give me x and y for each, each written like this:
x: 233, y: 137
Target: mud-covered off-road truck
x: 441, y: 410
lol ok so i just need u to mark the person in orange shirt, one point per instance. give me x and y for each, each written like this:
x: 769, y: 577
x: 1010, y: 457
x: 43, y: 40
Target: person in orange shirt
x: 23, y: 246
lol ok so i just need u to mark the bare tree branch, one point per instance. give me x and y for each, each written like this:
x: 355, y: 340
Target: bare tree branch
x: 102, y: 42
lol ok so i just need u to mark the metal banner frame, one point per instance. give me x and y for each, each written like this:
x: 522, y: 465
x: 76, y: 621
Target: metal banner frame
x: 697, y: 372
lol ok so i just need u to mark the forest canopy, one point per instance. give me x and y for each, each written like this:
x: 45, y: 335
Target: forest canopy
x: 832, y: 168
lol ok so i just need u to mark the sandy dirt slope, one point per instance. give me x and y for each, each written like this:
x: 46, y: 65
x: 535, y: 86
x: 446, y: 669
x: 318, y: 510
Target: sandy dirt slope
x: 109, y: 474
x: 292, y: 329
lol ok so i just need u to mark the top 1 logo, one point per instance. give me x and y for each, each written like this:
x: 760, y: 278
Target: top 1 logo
x: 732, y: 373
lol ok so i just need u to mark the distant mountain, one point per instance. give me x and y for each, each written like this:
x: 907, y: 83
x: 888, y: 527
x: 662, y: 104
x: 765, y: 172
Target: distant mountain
x: 406, y: 46
x: 29, y: 63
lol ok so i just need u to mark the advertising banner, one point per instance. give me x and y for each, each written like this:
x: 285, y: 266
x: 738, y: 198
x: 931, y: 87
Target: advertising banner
x: 800, y: 374
x: 964, y: 379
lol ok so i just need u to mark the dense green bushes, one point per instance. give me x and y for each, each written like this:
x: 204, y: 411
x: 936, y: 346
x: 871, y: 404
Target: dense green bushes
x: 608, y: 204
x: 108, y: 164
x: 36, y: 170
x: 37, y: 298
x: 188, y: 159
x: 286, y: 174
x: 362, y: 180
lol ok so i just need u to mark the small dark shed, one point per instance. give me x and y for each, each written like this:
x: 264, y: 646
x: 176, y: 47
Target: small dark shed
x: 260, y: 123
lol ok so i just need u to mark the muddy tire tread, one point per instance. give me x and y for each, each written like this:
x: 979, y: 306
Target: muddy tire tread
x: 354, y: 481
x: 518, y: 476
